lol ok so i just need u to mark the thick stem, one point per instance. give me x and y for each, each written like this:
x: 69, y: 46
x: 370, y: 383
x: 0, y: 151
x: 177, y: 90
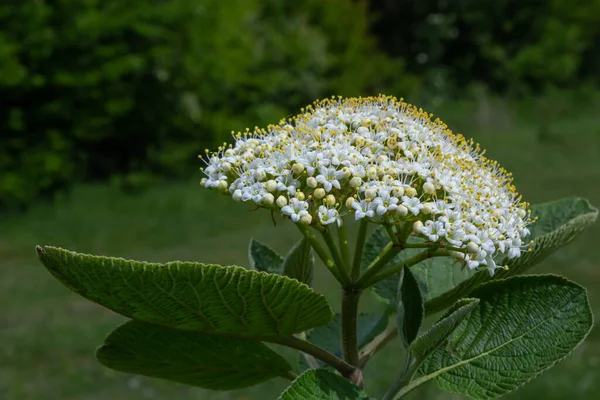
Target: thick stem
x: 378, y: 343
x: 343, y: 239
x: 350, y: 301
x: 343, y: 367
x: 340, y: 266
x: 358, y: 251
x: 387, y: 255
x: 409, y: 263
x: 321, y: 252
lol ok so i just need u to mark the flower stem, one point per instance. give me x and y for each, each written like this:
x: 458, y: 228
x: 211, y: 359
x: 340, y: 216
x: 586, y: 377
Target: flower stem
x: 343, y: 239
x: 350, y: 301
x: 409, y: 263
x: 340, y: 266
x: 318, y: 352
x: 387, y: 255
x: 358, y: 251
x: 321, y: 252
x: 378, y: 342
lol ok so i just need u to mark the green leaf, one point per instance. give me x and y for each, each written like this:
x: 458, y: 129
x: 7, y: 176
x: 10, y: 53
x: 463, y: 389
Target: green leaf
x: 320, y: 384
x: 426, y: 343
x: 435, y: 275
x: 208, y: 361
x: 299, y: 262
x: 192, y: 296
x: 329, y: 336
x: 521, y: 327
x: 558, y: 224
x: 262, y: 258
x: 409, y: 312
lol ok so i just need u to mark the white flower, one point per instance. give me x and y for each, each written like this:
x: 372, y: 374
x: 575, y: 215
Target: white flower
x: 296, y: 209
x: 329, y: 216
x: 398, y: 164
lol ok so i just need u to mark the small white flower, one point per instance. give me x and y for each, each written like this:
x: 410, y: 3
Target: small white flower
x: 362, y: 209
x: 329, y: 216
x: 329, y: 178
x: 433, y: 230
x: 413, y: 204
x: 296, y: 209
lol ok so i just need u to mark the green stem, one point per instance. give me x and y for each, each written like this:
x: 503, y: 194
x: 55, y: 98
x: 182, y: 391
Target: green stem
x: 378, y: 343
x: 387, y: 255
x: 321, y: 252
x: 409, y: 263
x: 358, y: 251
x: 318, y: 352
x: 392, y: 234
x: 403, y: 380
x: 350, y: 301
x: 339, y: 263
x: 343, y: 239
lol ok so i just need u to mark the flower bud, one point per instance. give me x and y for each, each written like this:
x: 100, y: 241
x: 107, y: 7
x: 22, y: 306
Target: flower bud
x: 319, y: 193
x: 300, y: 195
x: 281, y: 202
x: 428, y: 188
x: 349, y: 202
x: 472, y: 247
x: 311, y: 182
x: 382, y: 158
x: 330, y: 200
x: 370, y: 193
x: 401, y: 210
x: 226, y: 167
x: 297, y: 168
x: 222, y: 186
x: 268, y: 199
x: 362, y: 131
x: 306, y: 219
x: 203, y: 182
x: 426, y: 209
x: 237, y: 195
x: 398, y: 191
x: 372, y: 172
x: 417, y: 226
x: 410, y: 191
x: 260, y: 174
x: 347, y: 172
x: 271, y: 185
x: 359, y: 141
x: 356, y: 182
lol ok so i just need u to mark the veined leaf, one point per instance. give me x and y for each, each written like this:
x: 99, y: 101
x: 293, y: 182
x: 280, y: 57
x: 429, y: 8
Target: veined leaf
x: 409, y: 311
x: 192, y: 296
x: 521, y: 327
x: 426, y: 343
x: 263, y: 258
x: 208, y: 361
x: 320, y: 384
x: 299, y: 262
x: 558, y: 224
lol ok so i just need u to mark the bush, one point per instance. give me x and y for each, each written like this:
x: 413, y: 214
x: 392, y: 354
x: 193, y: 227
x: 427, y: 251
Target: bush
x: 511, y: 46
x: 132, y: 90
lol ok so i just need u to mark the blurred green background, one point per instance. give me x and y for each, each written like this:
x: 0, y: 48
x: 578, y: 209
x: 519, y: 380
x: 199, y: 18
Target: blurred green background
x: 104, y: 106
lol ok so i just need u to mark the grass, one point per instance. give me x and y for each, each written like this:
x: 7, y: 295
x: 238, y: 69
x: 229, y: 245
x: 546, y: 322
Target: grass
x: 49, y: 334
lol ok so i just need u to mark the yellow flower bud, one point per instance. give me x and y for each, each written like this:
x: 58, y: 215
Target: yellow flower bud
x: 268, y: 199
x: 410, y: 191
x: 271, y: 186
x: 429, y: 188
x: 297, y: 168
x: 319, y: 193
x: 281, y: 202
x: 300, y: 195
x: 330, y: 200
x: 311, y: 182
x: 306, y: 219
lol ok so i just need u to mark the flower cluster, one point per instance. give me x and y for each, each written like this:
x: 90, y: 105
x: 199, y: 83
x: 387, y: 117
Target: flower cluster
x: 381, y: 159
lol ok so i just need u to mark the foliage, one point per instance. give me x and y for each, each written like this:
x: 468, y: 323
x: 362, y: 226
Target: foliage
x: 134, y: 90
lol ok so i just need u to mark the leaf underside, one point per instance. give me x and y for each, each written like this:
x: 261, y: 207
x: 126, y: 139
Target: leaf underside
x: 320, y: 384
x: 192, y: 296
x: 263, y: 258
x: 521, y: 327
x: 197, y: 359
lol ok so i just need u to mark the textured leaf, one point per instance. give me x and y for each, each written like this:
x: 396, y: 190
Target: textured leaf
x: 207, y: 361
x: 329, y: 336
x: 192, y: 296
x: 262, y: 258
x: 426, y: 343
x: 435, y: 275
x: 320, y: 384
x: 558, y: 224
x: 409, y: 312
x: 299, y: 262
x: 521, y: 327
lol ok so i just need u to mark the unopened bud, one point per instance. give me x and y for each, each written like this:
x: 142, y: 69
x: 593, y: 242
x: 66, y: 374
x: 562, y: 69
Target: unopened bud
x: 271, y: 186
x: 401, y: 210
x: 410, y: 191
x: 311, y: 182
x: 330, y: 200
x: 237, y: 195
x: 319, y: 193
x: 226, y: 167
x: 260, y: 174
x: 356, y: 182
x: 472, y: 247
x: 398, y: 191
x: 281, y: 202
x: 429, y: 188
x: 297, y: 168
x: 268, y: 199
x: 306, y: 219
x: 300, y: 195
x: 349, y: 202
x: 222, y: 186
x: 370, y: 193
x: 417, y: 226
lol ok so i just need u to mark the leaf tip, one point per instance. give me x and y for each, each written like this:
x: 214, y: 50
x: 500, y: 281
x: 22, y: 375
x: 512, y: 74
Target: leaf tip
x: 39, y: 250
